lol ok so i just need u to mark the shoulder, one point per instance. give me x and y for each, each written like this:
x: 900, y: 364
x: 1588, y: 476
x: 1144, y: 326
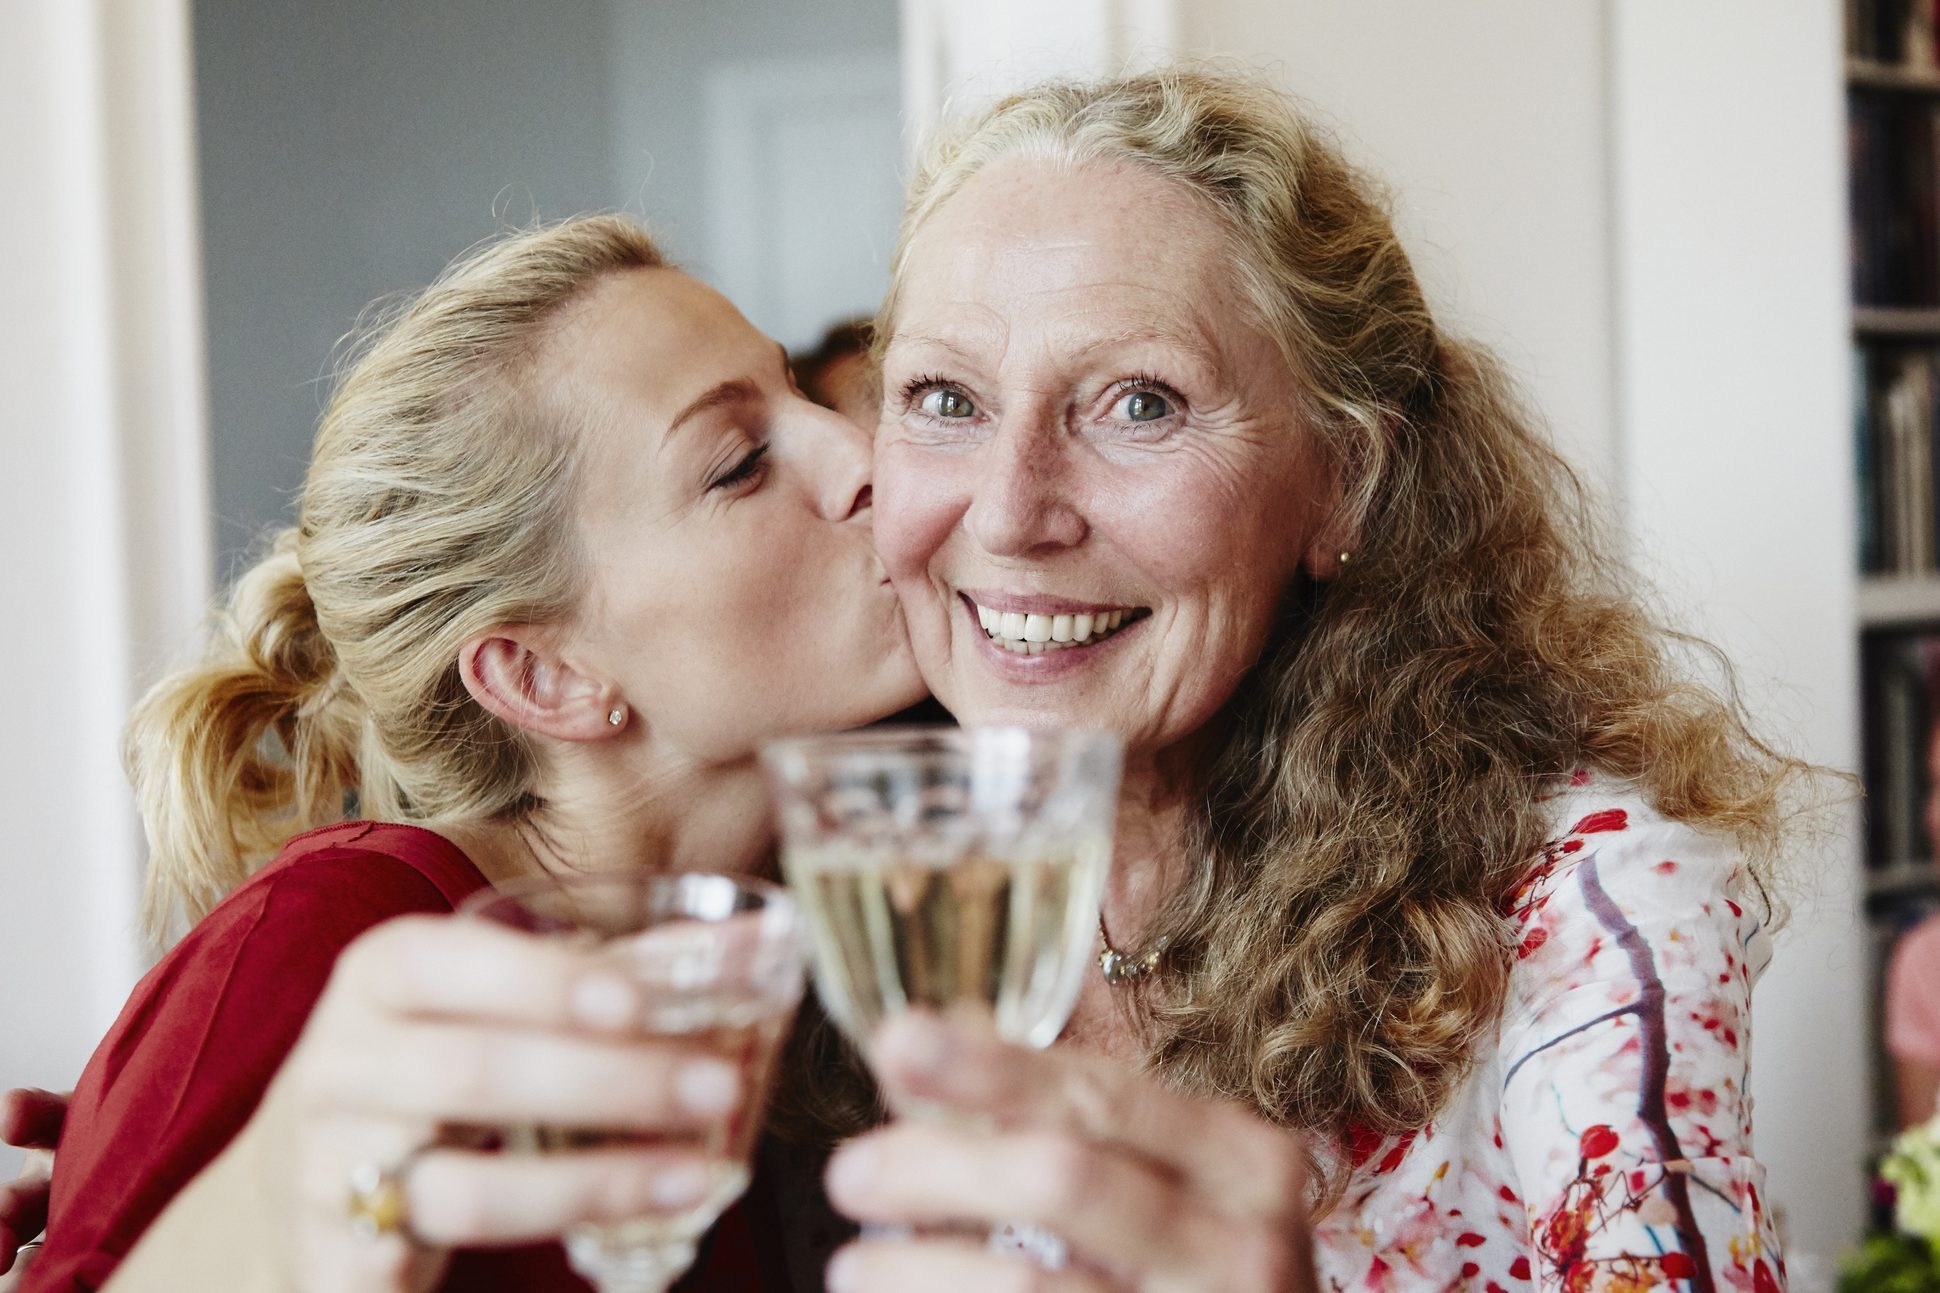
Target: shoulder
x: 260, y: 958
x: 384, y: 863
x: 1618, y: 884
x: 322, y: 891
x: 204, y: 1033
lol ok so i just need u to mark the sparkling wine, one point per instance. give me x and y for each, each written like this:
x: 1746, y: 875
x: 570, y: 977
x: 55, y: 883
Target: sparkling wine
x: 1008, y: 934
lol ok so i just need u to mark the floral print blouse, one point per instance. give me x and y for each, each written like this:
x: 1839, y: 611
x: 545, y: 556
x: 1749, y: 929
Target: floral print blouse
x: 1602, y: 1140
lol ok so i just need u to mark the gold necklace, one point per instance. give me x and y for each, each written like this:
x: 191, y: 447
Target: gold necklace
x: 1122, y: 967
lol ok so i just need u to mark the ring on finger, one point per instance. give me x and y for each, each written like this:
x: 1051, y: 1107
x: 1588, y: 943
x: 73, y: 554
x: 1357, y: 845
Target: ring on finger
x: 378, y: 1205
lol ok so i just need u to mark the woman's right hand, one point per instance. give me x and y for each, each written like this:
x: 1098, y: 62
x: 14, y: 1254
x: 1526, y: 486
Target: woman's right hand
x: 431, y: 1022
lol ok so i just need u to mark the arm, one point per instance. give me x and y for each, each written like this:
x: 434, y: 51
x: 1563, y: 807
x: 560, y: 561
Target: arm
x: 217, y: 1231
x: 1626, y: 1053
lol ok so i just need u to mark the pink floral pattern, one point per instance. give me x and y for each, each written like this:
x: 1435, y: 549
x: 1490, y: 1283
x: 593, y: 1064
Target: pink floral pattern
x: 1602, y: 1140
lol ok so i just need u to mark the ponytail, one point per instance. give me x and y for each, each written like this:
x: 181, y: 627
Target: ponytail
x: 234, y: 755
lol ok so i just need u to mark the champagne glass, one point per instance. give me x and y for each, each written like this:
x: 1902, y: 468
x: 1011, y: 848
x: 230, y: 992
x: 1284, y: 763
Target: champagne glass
x: 720, y: 959
x: 950, y: 869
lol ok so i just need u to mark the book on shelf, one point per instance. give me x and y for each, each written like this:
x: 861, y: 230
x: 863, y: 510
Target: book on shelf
x: 1898, y: 33
x: 1896, y: 453
x: 1895, y: 212
x: 1902, y: 701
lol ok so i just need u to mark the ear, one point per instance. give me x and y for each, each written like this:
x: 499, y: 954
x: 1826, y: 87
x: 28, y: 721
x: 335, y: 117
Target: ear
x: 1331, y: 546
x: 516, y: 673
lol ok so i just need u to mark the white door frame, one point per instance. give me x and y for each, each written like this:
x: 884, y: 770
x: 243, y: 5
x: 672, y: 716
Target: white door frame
x: 104, y: 493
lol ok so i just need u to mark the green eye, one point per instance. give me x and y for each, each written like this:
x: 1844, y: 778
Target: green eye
x: 948, y: 402
x: 1144, y: 406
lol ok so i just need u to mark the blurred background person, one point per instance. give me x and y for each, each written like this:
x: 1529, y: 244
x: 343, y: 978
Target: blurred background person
x: 837, y: 373
x: 1913, y: 987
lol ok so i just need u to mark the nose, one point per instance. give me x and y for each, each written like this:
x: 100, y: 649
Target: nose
x: 841, y: 455
x: 1025, y: 497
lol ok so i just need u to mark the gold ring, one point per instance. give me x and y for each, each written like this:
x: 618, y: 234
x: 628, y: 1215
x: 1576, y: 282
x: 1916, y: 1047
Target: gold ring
x: 377, y: 1205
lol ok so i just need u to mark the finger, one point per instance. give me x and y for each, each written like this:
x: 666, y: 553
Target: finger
x: 878, y: 1267
x: 23, y: 1210
x: 1116, y: 1207
x: 1230, y: 1155
x: 31, y: 1118
x: 461, y: 1199
x: 9, y: 1245
x: 437, y: 1071
x: 441, y: 966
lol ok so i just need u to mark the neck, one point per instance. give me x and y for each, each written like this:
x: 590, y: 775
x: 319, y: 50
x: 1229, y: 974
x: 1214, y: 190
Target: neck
x: 1149, y: 861
x: 678, y: 817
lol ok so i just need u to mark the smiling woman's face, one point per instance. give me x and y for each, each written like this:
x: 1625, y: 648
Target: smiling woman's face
x: 1094, y: 488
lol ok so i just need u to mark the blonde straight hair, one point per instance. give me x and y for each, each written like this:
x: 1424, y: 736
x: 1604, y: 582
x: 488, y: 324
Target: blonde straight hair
x: 437, y: 504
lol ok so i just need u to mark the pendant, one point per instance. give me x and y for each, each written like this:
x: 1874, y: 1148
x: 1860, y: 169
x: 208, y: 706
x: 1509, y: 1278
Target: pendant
x: 1119, y: 968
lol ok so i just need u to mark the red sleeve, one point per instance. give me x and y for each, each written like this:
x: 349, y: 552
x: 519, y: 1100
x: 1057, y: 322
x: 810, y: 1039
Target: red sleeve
x: 196, y: 1046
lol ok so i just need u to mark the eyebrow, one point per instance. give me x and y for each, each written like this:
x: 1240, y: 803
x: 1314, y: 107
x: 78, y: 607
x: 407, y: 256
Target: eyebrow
x: 1193, y: 346
x: 733, y: 391
x: 728, y: 392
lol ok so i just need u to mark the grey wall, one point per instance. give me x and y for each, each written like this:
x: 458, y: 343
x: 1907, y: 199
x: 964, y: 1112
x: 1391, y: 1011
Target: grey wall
x: 348, y: 150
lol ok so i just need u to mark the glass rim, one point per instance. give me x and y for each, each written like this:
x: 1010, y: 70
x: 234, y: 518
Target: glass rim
x: 873, y: 739
x: 773, y: 896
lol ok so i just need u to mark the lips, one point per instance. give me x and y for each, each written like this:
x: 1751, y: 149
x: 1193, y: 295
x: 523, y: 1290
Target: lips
x: 1035, y: 625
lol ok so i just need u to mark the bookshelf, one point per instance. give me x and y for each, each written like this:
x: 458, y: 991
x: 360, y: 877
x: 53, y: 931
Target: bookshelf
x: 1870, y: 74
x: 1892, y: 73
x: 1885, y: 321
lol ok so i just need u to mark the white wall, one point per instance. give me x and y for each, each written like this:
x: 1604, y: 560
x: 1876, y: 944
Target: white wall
x: 1734, y: 414
x: 1640, y: 206
x: 1487, y: 119
x: 103, y: 500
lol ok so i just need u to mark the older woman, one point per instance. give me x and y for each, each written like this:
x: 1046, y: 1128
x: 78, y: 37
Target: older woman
x: 1428, y: 848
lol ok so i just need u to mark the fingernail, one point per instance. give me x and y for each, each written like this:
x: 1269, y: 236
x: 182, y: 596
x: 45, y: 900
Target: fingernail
x: 678, y: 1187
x: 842, y: 1273
x: 604, y: 1001
x: 853, y: 1167
x: 707, y: 1086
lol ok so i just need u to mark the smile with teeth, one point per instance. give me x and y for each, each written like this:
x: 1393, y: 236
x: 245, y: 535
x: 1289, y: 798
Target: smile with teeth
x: 1036, y: 634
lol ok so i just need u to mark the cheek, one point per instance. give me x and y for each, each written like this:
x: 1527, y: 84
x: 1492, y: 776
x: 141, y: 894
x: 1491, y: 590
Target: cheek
x: 1202, y: 534
x: 919, y: 498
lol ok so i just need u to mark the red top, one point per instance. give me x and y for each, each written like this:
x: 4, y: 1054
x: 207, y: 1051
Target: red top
x: 196, y: 1046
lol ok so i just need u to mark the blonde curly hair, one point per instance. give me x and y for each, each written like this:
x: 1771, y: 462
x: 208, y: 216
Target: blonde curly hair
x: 1373, y: 800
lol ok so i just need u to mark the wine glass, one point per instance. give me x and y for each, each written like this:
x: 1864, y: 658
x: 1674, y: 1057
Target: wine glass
x: 950, y: 869
x: 720, y: 960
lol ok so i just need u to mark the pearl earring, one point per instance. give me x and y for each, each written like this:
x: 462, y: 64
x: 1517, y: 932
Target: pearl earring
x: 1343, y: 556
x: 616, y: 717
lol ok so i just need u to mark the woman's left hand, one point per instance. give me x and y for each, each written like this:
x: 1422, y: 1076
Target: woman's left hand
x: 1151, y: 1191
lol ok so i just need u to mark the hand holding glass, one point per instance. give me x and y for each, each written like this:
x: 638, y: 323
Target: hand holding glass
x: 719, y: 959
